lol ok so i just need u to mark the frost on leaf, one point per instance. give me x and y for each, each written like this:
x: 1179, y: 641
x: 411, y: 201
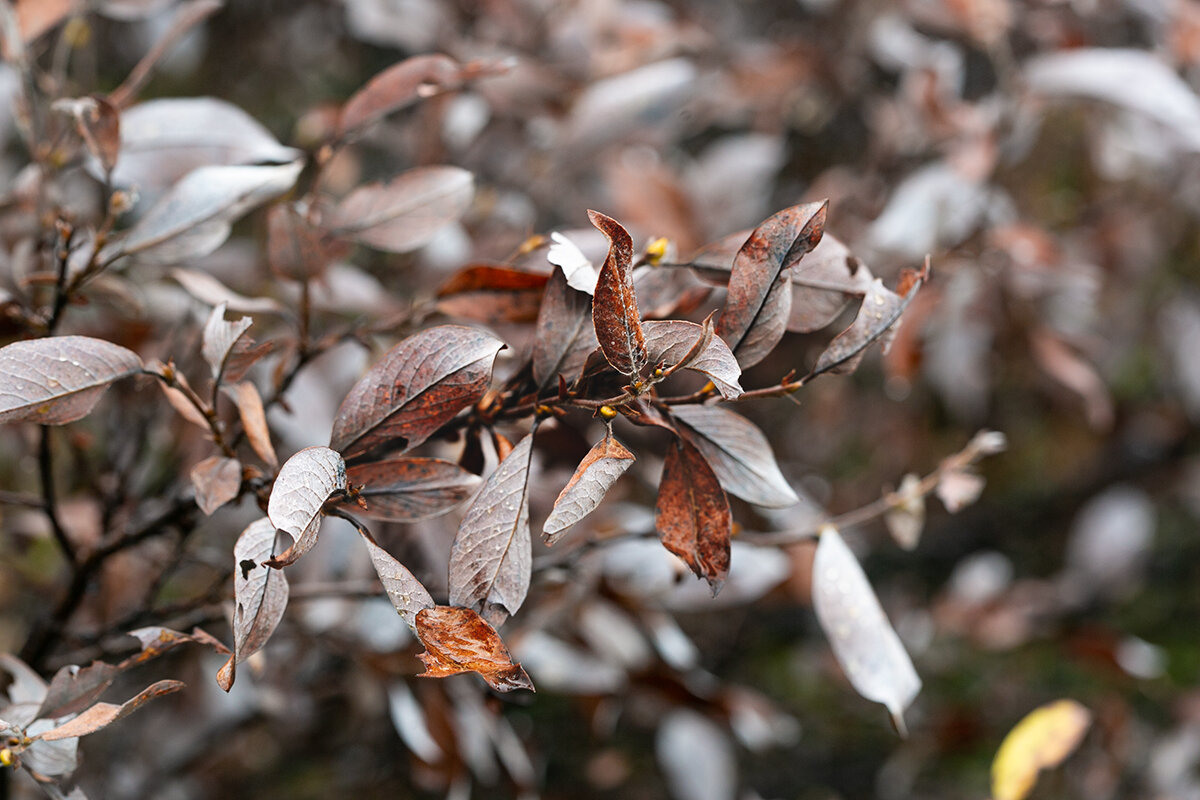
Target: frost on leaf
x: 598, y: 470
x: 864, y: 642
x: 614, y: 307
x: 260, y: 595
x: 417, y: 387
x: 491, y: 559
x: 459, y: 640
x: 59, y: 379
x: 305, y: 482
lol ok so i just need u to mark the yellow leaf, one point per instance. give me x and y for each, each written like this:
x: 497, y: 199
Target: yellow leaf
x: 1041, y: 740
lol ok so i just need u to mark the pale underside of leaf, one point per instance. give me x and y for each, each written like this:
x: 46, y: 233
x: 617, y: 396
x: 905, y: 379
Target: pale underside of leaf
x: 102, y: 715
x: 396, y: 87
x: 411, y: 489
x: 876, y: 320
x: 260, y: 594
x: 207, y: 289
x: 73, y: 688
x: 59, y: 379
x: 738, y: 453
x: 407, y: 212
x: 305, y: 482
x: 418, y: 386
x: 491, y: 559
x: 863, y: 640
x: 408, y: 595
x: 219, y: 337
x: 685, y: 345
x: 596, y: 473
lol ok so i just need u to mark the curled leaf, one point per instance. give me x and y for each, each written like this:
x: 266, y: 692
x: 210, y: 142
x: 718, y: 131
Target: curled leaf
x: 614, y: 307
x: 220, y: 335
x: 102, y: 715
x: 459, y: 640
x: 305, y: 482
x: 59, y: 379
x: 260, y: 594
x: 685, y: 345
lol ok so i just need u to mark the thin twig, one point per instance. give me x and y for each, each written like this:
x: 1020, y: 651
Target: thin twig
x: 49, y: 498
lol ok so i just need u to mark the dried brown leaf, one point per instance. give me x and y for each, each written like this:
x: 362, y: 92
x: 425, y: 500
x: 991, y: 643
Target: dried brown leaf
x: 492, y: 294
x: 410, y: 489
x: 260, y: 594
x: 491, y: 559
x: 598, y: 471
x: 685, y: 345
x: 217, y: 480
x: 417, y: 387
x: 738, y: 453
x: 398, y: 86
x: 459, y: 640
x: 59, y: 379
x: 692, y: 514
x: 296, y: 249
x: 102, y: 715
x: 254, y: 420
x: 614, y: 306
x: 565, y: 334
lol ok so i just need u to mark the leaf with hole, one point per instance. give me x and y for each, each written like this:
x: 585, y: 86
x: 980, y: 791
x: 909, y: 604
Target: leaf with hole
x: 410, y: 489
x: 491, y: 558
x: 59, y: 379
x: 738, y: 452
x: 260, y: 596
x: 406, y: 212
x: 614, y: 306
x: 864, y: 642
x: 458, y: 640
x: 305, y: 482
x: 596, y: 473
x: 417, y: 387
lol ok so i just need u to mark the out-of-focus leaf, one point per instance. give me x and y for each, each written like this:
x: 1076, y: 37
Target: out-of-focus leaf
x: 1042, y: 740
x: 398, y: 86
x: 696, y: 757
x: 162, y: 140
x: 296, y: 249
x: 176, y: 398
x: 219, y: 337
x: 207, y: 289
x: 614, y: 306
x: 102, y: 715
x: 493, y: 294
x: 260, y: 594
x: 598, y: 470
x: 863, y: 640
x: 26, y: 691
x: 738, y: 453
x: 1064, y: 365
x: 410, y: 489
x: 906, y: 518
x: 254, y: 420
x: 567, y: 668
x: 1111, y: 539
x: 406, y: 212
x: 824, y: 283
x: 417, y: 387
x: 459, y: 640
x: 565, y: 334
x: 99, y: 124
x: 491, y: 559
x: 692, y: 514
x: 754, y: 300
x: 615, y: 106
x: 685, y: 345
x: 35, y: 17
x: 936, y: 206
x: 156, y: 640
x: 51, y: 759
x: 411, y: 723
x: 880, y: 311
x: 74, y: 688
x: 408, y: 595
x: 1137, y: 80
x: 580, y: 272
x: 959, y: 488
x: 195, y: 216
x: 305, y: 482
x: 217, y: 480
x: 59, y: 379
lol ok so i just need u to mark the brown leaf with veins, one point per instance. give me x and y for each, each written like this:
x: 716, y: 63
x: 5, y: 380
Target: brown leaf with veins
x: 692, y: 514
x: 598, y: 471
x: 565, y: 335
x: 410, y: 489
x: 102, y: 715
x: 459, y: 640
x: 488, y: 293
x: 614, y: 306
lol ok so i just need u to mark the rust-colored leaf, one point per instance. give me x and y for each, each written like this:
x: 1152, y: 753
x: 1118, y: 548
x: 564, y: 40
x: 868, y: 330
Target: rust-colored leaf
x: 59, y: 379
x: 459, y: 640
x: 219, y: 337
x: 398, y: 86
x: 408, y: 595
x: 491, y: 559
x: 492, y: 294
x: 614, y: 306
x: 565, y: 335
x: 102, y: 715
x: 692, y: 514
x: 757, y: 282
x: 254, y: 420
x: 260, y: 594
x: 417, y: 387
x: 598, y: 470
x: 305, y: 482
x: 685, y: 345
x: 879, y: 313
x: 738, y: 452
x: 410, y: 489
x: 217, y: 480
x: 156, y: 640
x: 406, y: 212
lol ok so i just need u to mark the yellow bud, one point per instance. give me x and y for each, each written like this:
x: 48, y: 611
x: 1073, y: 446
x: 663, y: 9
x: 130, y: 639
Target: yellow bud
x: 607, y: 412
x: 656, y: 250
x: 6, y: 757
